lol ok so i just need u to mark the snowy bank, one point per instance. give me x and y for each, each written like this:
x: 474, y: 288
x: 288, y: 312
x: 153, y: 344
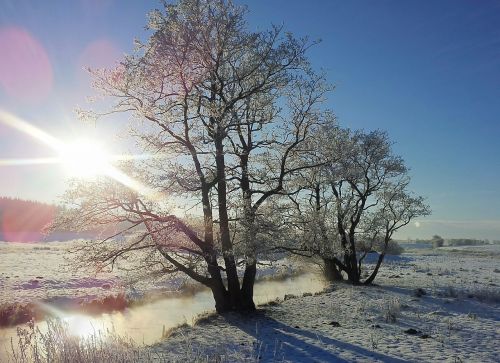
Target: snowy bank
x: 434, y: 307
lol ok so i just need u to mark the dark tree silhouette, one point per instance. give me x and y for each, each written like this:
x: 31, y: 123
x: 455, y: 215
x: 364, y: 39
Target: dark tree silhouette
x: 225, y: 114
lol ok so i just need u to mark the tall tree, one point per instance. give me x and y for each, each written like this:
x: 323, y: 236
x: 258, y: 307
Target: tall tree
x: 224, y: 113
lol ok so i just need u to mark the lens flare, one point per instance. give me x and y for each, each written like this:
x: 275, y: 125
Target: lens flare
x: 25, y: 69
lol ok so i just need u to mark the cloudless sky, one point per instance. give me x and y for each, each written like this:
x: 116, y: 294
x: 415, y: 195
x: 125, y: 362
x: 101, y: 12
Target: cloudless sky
x: 428, y: 72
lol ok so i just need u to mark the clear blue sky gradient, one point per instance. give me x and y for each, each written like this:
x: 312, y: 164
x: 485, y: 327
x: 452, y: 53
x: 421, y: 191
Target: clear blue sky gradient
x: 428, y: 72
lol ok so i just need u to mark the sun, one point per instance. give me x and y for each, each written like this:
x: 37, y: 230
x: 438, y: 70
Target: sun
x: 85, y: 159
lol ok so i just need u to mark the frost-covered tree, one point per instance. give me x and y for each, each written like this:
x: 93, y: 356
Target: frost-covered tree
x: 354, y: 203
x: 396, y: 208
x: 224, y: 115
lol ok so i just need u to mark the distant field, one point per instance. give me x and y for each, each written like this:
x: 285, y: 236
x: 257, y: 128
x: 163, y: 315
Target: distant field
x: 32, y: 272
x: 42, y: 271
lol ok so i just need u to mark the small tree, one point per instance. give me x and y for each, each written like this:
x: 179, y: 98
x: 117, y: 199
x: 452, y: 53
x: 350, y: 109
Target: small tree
x: 354, y: 203
x: 224, y: 113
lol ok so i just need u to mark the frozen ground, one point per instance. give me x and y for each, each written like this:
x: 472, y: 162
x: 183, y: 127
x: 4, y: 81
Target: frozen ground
x: 427, y: 306
x: 31, y: 272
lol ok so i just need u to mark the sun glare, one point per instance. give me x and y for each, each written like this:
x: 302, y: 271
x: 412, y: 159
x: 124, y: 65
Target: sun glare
x: 80, y: 325
x: 85, y: 159
x: 81, y: 158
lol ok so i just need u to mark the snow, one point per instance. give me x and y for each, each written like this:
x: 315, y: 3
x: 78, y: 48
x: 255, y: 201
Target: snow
x: 34, y: 272
x: 37, y: 279
x: 458, y: 318
x: 449, y: 297
x: 42, y: 271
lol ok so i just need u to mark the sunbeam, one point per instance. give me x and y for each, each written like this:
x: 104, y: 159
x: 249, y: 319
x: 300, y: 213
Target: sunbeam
x: 29, y: 161
x: 83, y: 158
x: 33, y: 131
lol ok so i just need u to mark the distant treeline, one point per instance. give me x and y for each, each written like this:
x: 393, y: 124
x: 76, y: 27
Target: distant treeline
x: 24, y: 220
x: 438, y: 241
x: 466, y: 242
x: 27, y: 220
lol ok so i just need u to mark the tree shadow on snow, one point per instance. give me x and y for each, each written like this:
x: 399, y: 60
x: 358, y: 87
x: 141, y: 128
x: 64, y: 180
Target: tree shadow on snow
x: 277, y: 341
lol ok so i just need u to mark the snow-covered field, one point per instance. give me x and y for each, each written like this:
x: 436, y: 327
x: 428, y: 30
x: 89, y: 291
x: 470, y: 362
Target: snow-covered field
x: 38, y: 271
x: 427, y: 306
x: 39, y: 277
x: 31, y: 272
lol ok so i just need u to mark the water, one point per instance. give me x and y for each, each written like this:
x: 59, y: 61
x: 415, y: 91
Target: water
x: 145, y: 323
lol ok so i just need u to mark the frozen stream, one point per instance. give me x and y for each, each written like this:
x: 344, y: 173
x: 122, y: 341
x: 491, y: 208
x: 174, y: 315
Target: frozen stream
x: 145, y: 323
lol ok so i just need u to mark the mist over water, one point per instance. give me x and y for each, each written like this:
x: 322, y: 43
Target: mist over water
x: 146, y: 323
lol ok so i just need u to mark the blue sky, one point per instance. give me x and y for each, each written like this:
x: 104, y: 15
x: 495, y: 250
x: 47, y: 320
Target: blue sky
x: 428, y: 72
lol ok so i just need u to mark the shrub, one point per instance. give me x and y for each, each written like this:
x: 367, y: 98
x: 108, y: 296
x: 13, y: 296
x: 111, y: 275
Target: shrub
x: 450, y: 291
x: 394, y: 248
x: 392, y: 310
x: 419, y: 292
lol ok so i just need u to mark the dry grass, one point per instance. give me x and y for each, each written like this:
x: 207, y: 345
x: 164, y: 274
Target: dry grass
x: 392, y: 310
x: 482, y: 293
x: 486, y: 294
x: 58, y: 345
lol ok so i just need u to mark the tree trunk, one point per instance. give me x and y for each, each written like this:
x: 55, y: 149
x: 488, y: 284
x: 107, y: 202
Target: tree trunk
x: 221, y: 297
x: 370, y: 279
x: 247, y: 286
x: 233, y: 282
x: 353, y: 277
x: 351, y: 267
x: 351, y: 261
x: 217, y: 285
x: 248, y: 224
x: 331, y: 271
